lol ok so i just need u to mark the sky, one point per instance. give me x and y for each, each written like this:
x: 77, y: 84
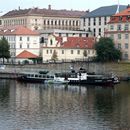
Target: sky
x: 7, y: 5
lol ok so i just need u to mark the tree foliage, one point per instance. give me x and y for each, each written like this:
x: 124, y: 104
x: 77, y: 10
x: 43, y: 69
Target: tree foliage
x: 4, y: 49
x: 106, y: 50
x: 54, y: 56
x: 85, y: 53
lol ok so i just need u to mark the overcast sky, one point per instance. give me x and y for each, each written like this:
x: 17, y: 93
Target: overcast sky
x: 7, y: 5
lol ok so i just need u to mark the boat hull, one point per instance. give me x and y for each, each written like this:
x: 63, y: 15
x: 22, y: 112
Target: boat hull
x: 94, y: 82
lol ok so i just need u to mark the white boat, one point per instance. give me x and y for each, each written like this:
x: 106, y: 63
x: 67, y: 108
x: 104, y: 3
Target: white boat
x: 57, y: 80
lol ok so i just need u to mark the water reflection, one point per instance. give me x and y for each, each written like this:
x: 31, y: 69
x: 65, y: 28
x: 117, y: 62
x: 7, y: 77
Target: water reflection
x: 59, y: 107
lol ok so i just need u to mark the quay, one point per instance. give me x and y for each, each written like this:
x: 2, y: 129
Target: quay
x: 13, y: 71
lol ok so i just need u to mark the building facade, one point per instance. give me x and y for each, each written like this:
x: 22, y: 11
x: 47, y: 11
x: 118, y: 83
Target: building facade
x: 36, y: 18
x: 96, y: 20
x: 119, y: 30
x: 44, y: 34
x: 21, y: 39
x: 68, y: 48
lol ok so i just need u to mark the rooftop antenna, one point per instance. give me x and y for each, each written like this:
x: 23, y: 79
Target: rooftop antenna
x: 118, y: 6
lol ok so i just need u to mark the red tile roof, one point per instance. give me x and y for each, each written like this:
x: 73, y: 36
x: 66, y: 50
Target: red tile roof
x: 25, y: 54
x: 76, y: 42
x: 123, y: 16
x: 17, y: 30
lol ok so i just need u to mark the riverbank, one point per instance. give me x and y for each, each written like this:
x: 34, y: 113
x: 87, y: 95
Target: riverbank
x: 120, y: 69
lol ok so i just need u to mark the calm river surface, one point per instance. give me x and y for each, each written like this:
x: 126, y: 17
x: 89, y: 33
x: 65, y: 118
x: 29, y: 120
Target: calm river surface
x: 56, y: 107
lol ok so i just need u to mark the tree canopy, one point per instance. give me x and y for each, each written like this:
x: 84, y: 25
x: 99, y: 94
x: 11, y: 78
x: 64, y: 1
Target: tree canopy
x: 4, y: 49
x: 54, y: 56
x: 106, y: 50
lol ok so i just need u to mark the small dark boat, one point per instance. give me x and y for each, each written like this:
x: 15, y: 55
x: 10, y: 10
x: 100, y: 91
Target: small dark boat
x: 35, y: 77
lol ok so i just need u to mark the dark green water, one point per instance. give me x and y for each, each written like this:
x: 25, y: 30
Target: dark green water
x: 49, y: 107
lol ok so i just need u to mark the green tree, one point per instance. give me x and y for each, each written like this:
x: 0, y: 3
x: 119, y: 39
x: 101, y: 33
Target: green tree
x: 85, y: 53
x: 4, y: 49
x: 54, y: 56
x: 106, y: 50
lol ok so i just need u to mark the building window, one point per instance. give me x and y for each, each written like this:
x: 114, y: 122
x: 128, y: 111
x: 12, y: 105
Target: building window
x: 78, y: 52
x: 126, y: 45
x: 111, y: 27
x: 69, y: 23
x: 73, y: 23
x: 126, y: 56
x: 89, y: 20
x: 55, y: 22
x: 46, y: 51
x: 94, y: 30
x: 20, y: 45
x: 77, y: 23
x: 27, y: 45
x: 94, y: 21
x: 119, y: 36
x: 51, y: 42
x: 20, y: 39
x: 59, y: 22
x: 48, y: 22
x: 50, y: 51
x: 72, y: 51
x: 118, y: 27
x: 62, y: 51
x: 28, y: 39
x: 99, y: 32
x: 119, y: 46
x: 105, y: 20
x: 62, y: 22
x: 126, y: 36
x: 83, y: 21
x: 126, y: 27
x: 99, y: 20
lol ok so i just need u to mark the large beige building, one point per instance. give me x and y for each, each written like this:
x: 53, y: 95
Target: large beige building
x: 35, y: 18
x: 119, y: 30
x: 68, y: 48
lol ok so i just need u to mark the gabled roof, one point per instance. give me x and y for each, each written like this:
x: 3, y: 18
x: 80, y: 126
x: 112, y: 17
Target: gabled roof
x: 44, y: 13
x: 104, y: 11
x: 17, y: 30
x: 79, y: 42
x: 26, y: 54
x: 123, y: 16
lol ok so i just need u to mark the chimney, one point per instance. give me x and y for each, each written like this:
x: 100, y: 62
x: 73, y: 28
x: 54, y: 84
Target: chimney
x: 128, y: 6
x: 49, y: 7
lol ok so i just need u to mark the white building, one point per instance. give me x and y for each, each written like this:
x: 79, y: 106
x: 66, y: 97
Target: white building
x: 96, y: 20
x: 68, y: 48
x: 21, y: 39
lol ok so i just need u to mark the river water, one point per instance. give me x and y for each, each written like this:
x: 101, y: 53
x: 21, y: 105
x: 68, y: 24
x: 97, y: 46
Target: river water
x: 59, y: 107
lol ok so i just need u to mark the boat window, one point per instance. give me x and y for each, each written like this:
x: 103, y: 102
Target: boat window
x: 28, y: 74
x: 36, y: 75
x: 40, y: 76
x: 43, y: 76
x: 32, y: 75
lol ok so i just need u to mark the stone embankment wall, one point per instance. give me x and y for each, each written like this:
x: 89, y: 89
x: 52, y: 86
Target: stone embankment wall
x: 64, y: 67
